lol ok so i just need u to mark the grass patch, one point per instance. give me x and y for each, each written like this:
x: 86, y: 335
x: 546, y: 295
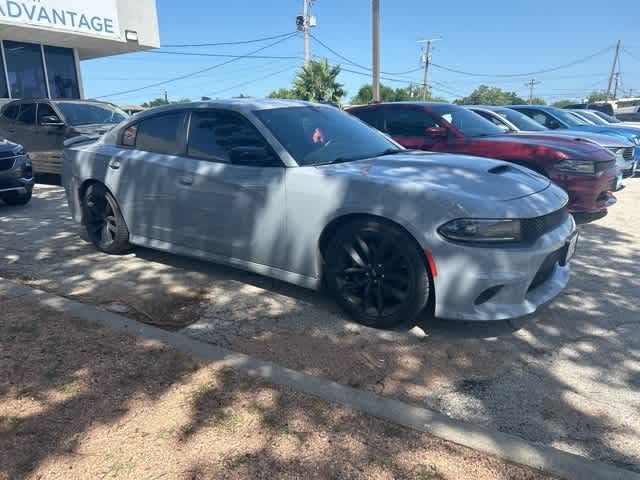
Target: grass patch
x: 429, y: 472
x: 10, y: 421
x: 68, y: 388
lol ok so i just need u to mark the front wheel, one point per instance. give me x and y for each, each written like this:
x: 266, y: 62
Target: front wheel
x: 104, y: 222
x: 15, y: 199
x: 377, y: 273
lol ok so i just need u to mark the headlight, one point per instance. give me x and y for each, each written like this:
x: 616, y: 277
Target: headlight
x: 19, y: 151
x: 475, y: 230
x: 576, y: 166
x: 637, y: 140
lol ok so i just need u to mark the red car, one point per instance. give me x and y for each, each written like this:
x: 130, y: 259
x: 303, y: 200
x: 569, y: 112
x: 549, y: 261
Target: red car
x: 584, y: 169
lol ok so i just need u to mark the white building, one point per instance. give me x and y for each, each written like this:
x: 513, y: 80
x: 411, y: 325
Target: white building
x: 43, y: 41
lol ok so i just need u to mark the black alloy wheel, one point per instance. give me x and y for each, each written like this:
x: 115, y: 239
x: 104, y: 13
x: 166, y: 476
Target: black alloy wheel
x: 104, y: 223
x: 377, y: 273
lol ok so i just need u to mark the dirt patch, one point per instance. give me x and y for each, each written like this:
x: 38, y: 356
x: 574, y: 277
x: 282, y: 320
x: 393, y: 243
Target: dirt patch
x: 78, y: 401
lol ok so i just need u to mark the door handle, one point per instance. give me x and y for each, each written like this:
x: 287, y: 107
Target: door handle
x: 186, y: 180
x: 114, y: 164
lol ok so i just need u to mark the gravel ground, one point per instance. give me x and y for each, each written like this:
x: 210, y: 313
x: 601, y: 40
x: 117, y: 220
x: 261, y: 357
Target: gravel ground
x: 78, y: 402
x: 570, y: 378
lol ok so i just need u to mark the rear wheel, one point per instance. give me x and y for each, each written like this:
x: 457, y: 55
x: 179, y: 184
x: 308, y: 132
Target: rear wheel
x: 14, y: 199
x: 104, y: 222
x: 377, y: 273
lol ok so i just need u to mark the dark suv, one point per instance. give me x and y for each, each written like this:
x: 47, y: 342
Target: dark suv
x: 42, y: 126
x: 16, y: 175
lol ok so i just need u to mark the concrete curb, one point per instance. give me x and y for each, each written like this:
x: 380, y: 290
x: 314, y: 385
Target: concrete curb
x: 504, y: 446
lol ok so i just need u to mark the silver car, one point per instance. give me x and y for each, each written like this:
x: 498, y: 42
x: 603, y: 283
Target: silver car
x: 310, y: 195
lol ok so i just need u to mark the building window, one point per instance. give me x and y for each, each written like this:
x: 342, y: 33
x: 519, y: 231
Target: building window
x: 25, y: 70
x: 61, y: 70
x: 4, y: 91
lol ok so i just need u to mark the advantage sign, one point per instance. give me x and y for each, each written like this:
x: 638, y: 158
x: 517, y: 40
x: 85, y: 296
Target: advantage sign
x: 91, y: 17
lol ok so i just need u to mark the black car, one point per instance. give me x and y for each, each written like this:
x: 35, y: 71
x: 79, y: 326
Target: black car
x: 16, y: 174
x: 42, y: 126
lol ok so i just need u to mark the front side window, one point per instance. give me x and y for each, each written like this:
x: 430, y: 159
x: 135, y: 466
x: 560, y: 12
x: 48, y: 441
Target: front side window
x: 213, y: 134
x: 25, y: 70
x: 11, y: 112
x: 77, y: 113
x: 520, y: 120
x: 61, y: 71
x: 316, y: 135
x: 469, y: 123
x: 45, y: 110
x: 569, y: 118
x: 27, y: 115
x: 161, y: 134
x: 406, y: 122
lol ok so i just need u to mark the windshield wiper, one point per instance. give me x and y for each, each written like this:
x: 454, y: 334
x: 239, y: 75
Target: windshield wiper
x: 388, y: 151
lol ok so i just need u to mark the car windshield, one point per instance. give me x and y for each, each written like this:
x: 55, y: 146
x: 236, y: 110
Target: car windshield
x: 86, y: 113
x: 520, y: 120
x: 317, y: 135
x: 593, y: 118
x: 607, y: 118
x: 466, y: 121
x: 569, y: 118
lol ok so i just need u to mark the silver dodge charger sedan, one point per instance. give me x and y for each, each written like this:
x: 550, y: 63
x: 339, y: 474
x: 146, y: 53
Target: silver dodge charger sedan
x: 310, y: 195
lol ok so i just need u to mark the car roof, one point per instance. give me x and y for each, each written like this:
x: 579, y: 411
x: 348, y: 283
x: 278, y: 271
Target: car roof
x: 55, y: 100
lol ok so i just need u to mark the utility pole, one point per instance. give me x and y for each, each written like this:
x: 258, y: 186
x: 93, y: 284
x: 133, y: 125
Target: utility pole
x: 616, y: 85
x: 532, y: 83
x: 375, y: 30
x: 166, y: 97
x: 613, y: 68
x: 303, y: 23
x: 426, y: 59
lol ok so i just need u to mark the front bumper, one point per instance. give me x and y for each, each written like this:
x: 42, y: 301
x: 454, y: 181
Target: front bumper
x: 500, y: 283
x: 15, y: 179
x: 588, y: 193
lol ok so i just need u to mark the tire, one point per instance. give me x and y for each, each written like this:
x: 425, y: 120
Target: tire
x: 377, y: 273
x: 103, y: 221
x: 15, y: 199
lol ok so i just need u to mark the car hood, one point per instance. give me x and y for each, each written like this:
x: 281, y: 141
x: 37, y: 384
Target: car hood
x: 627, y: 132
x: 483, y: 178
x: 9, y: 146
x: 601, y: 139
x: 575, y: 149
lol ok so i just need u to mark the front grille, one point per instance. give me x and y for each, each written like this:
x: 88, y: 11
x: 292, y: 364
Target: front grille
x: 602, y: 166
x: 534, y: 228
x: 627, y: 152
x: 7, y: 163
x: 7, y: 154
x: 547, y: 268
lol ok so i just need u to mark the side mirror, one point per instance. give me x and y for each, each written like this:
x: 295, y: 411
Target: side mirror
x: 437, y: 132
x: 51, y: 121
x: 252, y: 156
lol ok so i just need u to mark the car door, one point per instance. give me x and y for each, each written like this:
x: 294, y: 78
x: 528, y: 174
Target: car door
x: 8, y: 121
x: 231, y: 193
x: 25, y: 126
x: 50, y: 130
x: 144, y: 173
x: 408, y: 125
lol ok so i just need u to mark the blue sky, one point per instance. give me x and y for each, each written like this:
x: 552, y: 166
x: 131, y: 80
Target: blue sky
x: 492, y: 37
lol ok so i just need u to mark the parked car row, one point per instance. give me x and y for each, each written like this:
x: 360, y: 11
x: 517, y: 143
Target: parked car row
x: 462, y: 210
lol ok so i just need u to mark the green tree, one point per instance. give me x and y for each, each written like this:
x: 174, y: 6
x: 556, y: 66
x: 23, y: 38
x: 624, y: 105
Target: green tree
x: 487, y: 95
x: 563, y: 103
x: 598, y: 97
x: 283, y: 93
x: 318, y: 82
x: 388, y: 94
x: 156, y: 102
x: 538, y: 101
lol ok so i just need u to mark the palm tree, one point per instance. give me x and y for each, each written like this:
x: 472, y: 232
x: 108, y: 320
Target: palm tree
x: 317, y: 82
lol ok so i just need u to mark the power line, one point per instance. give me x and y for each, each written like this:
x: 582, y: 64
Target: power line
x: 198, y: 72
x: 248, y: 82
x: 219, y: 44
x: 527, y: 74
x: 222, y: 55
x: 351, y: 62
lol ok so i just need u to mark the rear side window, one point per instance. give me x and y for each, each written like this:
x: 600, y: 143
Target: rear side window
x: 407, y: 122
x: 160, y: 134
x: 11, y: 112
x: 370, y: 116
x: 213, y: 133
x: 27, y: 115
